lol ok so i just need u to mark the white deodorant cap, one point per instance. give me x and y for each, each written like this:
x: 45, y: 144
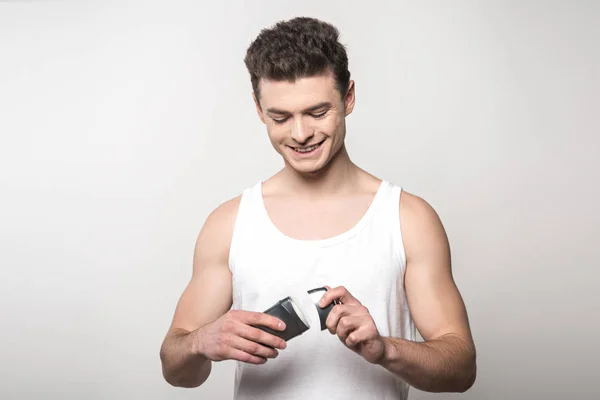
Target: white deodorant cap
x: 297, y: 304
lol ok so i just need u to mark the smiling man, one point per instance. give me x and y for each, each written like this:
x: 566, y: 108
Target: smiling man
x: 320, y: 221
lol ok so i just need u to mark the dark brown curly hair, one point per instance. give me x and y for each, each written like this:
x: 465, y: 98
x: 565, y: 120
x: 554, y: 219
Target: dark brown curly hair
x: 299, y: 47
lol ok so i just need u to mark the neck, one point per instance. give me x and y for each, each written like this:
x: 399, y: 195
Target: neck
x: 340, y: 175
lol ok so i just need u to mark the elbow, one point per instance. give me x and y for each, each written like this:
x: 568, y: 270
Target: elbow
x: 467, y: 379
x: 183, y: 384
x: 186, y: 382
x: 463, y: 378
x: 179, y: 377
x: 468, y: 376
x: 171, y: 380
x: 466, y: 384
x: 167, y: 372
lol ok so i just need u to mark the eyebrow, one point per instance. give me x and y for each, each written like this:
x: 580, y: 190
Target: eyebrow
x: 324, y: 104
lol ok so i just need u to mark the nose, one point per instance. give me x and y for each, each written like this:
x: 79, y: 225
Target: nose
x: 301, y: 131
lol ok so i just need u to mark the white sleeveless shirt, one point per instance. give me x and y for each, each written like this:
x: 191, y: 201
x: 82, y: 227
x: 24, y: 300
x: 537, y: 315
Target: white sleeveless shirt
x: 368, y: 259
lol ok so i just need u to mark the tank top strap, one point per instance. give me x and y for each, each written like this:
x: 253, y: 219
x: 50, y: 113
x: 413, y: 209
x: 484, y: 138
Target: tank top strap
x: 388, y: 213
x: 245, y: 221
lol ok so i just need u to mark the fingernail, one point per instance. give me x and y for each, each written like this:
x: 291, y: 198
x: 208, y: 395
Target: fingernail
x: 281, y: 325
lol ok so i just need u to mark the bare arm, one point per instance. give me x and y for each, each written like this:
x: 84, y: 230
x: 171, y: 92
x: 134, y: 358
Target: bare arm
x: 206, y: 298
x: 204, y: 328
x: 446, y: 360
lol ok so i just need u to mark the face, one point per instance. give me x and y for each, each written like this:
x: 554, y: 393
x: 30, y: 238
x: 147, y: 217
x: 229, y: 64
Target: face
x: 305, y: 119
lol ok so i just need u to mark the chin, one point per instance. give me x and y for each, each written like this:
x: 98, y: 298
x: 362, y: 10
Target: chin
x: 307, y: 167
x: 307, y: 162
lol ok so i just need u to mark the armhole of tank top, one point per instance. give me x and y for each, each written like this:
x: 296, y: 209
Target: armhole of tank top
x: 409, y: 326
x: 397, y: 227
x: 236, y: 232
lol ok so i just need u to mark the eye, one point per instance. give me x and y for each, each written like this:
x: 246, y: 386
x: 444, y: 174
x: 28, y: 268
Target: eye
x: 279, y: 121
x: 321, y: 115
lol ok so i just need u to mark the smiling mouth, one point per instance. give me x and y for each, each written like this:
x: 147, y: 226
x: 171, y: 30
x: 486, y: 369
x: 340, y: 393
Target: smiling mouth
x: 307, y: 149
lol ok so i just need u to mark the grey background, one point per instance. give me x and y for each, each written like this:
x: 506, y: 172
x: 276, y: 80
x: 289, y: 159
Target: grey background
x: 123, y: 124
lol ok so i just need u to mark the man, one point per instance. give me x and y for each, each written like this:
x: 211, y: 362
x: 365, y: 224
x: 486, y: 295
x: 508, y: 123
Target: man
x: 320, y: 221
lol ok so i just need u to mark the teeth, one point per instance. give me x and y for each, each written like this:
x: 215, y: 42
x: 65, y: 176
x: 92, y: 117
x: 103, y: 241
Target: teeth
x: 306, y: 149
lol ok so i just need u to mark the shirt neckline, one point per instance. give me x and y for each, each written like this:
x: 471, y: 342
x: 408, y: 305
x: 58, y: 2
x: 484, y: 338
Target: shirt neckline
x: 338, y: 238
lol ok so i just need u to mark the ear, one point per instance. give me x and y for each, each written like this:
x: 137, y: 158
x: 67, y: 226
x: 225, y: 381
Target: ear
x: 350, y: 98
x: 258, y: 108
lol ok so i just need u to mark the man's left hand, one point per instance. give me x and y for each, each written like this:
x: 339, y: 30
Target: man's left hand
x: 353, y: 324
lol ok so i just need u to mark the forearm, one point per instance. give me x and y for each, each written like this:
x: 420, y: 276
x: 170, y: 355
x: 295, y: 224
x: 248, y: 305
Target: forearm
x: 182, y: 365
x: 446, y: 364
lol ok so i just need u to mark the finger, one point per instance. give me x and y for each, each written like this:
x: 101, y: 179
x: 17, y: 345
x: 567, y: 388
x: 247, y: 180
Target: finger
x: 259, y: 318
x: 259, y: 336
x: 239, y: 355
x: 357, y: 336
x: 338, y: 312
x: 253, y: 348
x: 348, y: 325
x: 338, y: 293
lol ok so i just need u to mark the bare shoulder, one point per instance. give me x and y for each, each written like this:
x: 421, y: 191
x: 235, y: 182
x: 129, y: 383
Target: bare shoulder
x: 214, y: 239
x: 422, y: 228
x: 225, y: 213
x: 415, y: 210
x: 208, y: 293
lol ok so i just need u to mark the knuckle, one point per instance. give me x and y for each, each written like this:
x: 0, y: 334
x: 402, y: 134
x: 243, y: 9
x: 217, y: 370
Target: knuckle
x: 258, y: 338
x: 268, y: 338
x: 227, y: 340
x: 220, y: 350
x: 272, y: 340
x: 223, y: 341
x: 255, y: 335
x: 253, y: 348
x: 227, y: 325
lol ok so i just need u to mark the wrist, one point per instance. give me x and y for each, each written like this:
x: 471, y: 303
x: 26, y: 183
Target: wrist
x: 390, y: 352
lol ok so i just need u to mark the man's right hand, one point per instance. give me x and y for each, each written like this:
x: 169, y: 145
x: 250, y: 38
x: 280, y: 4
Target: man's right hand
x: 233, y: 337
